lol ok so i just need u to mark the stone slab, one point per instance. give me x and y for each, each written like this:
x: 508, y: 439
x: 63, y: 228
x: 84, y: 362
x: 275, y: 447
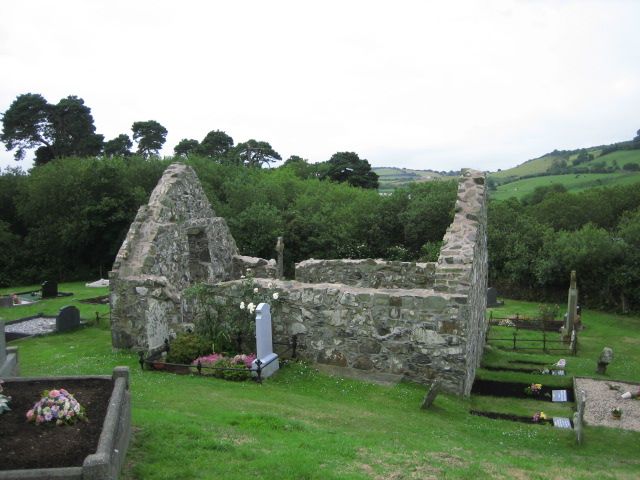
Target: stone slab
x: 561, y: 422
x: 558, y: 395
x: 559, y: 373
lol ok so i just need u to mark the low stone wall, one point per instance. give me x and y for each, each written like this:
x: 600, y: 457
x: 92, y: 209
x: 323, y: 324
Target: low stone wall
x: 367, y: 273
x: 418, y: 334
x: 258, y: 267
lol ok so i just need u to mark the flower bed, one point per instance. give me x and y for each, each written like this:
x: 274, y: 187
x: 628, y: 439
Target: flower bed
x: 85, y: 450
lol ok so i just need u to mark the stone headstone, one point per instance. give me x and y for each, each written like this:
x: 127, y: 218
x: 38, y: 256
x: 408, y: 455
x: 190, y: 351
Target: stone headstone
x: 492, y: 298
x: 577, y: 427
x: 431, y: 395
x: 280, y: 251
x: 264, y: 343
x: 6, y: 301
x: 49, y: 289
x: 572, y: 305
x: 3, y: 345
x: 68, y: 319
x: 605, y: 359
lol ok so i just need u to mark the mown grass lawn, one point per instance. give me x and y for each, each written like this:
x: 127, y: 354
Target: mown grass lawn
x: 305, y: 425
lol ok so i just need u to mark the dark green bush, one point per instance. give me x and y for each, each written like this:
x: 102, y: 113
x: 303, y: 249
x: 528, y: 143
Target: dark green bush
x: 187, y: 347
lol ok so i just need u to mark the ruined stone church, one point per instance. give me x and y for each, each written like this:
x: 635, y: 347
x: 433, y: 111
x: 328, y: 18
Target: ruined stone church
x: 377, y: 318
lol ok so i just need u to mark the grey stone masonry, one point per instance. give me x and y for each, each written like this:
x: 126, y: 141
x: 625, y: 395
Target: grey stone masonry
x: 419, y: 321
x: 175, y: 241
x: 367, y: 273
x: 419, y: 334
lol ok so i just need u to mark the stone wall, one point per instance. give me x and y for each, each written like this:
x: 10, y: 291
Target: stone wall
x: 175, y: 241
x: 415, y: 321
x: 367, y: 273
x: 413, y: 334
x: 418, y: 321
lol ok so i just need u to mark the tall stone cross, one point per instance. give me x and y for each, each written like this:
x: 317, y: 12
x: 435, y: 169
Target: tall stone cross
x: 572, y: 305
x: 280, y: 250
x: 264, y: 342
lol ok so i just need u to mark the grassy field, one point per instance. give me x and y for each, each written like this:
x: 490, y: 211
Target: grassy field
x: 52, y: 306
x: 572, y: 182
x: 391, y: 178
x: 621, y: 157
x: 305, y: 425
x: 530, y: 167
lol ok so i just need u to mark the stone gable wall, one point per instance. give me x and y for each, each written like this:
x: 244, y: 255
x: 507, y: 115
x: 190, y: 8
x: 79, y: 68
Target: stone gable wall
x: 367, y: 273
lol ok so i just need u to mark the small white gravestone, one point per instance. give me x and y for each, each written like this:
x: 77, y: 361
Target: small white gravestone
x: 264, y: 344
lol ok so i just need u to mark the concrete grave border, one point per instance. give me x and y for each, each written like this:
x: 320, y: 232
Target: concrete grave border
x: 107, y: 461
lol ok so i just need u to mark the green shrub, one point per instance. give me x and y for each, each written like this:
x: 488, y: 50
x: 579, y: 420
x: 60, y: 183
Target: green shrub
x: 186, y: 347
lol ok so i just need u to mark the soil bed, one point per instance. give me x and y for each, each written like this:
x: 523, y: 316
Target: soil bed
x: 26, y: 445
x: 102, y: 300
x: 515, y: 390
x: 513, y: 418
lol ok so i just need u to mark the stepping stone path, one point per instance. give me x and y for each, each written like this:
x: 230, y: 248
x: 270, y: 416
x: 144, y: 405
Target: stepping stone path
x: 561, y: 422
x: 558, y: 395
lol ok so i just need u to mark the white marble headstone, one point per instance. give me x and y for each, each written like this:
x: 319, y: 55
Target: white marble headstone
x: 264, y: 342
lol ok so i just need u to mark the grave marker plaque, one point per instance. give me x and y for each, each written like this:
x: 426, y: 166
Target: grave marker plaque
x: 558, y: 395
x: 264, y: 343
x: 561, y: 422
x: 68, y: 319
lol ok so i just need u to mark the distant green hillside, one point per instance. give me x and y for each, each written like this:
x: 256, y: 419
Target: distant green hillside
x: 391, y: 178
x: 613, y: 157
x: 572, y: 182
x: 535, y: 166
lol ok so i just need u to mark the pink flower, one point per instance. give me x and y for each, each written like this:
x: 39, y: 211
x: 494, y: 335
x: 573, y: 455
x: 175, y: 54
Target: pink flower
x: 54, y: 393
x: 30, y: 415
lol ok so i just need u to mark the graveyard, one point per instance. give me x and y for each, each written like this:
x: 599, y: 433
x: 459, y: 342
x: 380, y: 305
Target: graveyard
x: 355, y: 369
x: 301, y: 423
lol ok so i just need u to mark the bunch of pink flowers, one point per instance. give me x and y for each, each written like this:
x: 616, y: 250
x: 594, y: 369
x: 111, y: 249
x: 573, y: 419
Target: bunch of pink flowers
x: 57, y: 406
x: 211, y: 360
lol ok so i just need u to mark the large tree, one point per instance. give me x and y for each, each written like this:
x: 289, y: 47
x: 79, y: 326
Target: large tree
x: 254, y: 153
x: 119, y: 146
x: 185, y: 147
x: 74, y: 129
x: 61, y: 130
x: 150, y: 136
x: 215, y: 144
x: 348, y: 167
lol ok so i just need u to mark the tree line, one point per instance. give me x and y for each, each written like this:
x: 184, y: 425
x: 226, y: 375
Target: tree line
x: 67, y: 218
x: 534, y: 243
x: 67, y: 129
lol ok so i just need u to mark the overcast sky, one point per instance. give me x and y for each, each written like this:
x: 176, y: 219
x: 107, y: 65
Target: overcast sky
x: 438, y: 85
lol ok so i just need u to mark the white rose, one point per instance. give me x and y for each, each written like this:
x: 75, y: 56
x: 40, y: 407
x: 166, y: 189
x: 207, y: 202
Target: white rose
x: 251, y: 307
x: 275, y: 296
x: 241, y: 305
x: 255, y: 290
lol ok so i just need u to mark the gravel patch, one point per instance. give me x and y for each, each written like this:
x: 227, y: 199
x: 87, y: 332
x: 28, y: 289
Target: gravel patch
x: 601, y: 398
x: 35, y: 326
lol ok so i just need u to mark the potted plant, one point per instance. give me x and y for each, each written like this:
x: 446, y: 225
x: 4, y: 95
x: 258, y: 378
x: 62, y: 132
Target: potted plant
x: 616, y: 413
